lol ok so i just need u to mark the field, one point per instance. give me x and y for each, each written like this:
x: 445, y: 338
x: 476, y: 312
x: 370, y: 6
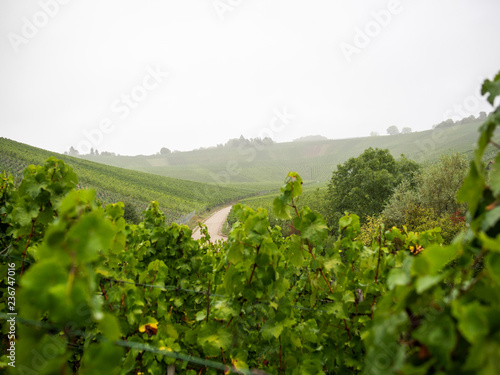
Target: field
x: 177, y: 198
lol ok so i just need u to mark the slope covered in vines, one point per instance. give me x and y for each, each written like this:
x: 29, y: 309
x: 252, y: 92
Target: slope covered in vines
x: 176, y: 197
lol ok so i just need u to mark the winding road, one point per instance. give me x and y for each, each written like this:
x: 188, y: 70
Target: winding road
x: 214, y: 224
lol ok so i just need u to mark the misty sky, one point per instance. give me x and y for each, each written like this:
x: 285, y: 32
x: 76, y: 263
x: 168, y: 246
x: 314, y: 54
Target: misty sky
x: 132, y: 76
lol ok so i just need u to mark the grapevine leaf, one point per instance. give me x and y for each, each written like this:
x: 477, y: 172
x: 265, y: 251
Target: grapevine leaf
x: 338, y: 310
x: 201, y: 315
x: 397, y: 276
x: 271, y: 329
x: 309, y: 330
x: 472, y: 320
x: 425, y: 282
x: 312, y: 225
x: 94, y: 234
x: 115, y: 210
x: 235, y: 252
x: 110, y: 327
x: 431, y: 261
x: 439, y: 336
x: 348, y: 297
x: 491, y: 88
x: 281, y: 210
x: 490, y: 219
x: 212, y: 338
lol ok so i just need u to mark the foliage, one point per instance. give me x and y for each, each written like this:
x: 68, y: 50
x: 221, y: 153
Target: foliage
x: 273, y: 301
x: 362, y: 185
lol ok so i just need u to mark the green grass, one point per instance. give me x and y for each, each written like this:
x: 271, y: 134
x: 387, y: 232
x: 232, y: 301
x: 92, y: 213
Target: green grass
x: 176, y: 197
x: 264, y: 169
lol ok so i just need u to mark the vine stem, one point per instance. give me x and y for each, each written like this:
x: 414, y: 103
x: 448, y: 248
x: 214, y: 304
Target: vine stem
x: 254, y: 266
x: 223, y: 358
x: 321, y: 269
x: 326, y: 281
x: 347, y: 329
x: 253, y: 270
x: 154, y: 278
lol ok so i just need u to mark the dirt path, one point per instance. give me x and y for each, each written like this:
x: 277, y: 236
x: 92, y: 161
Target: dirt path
x: 214, y: 224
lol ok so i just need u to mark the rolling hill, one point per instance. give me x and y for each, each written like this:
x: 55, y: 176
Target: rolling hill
x: 264, y: 167
x: 177, y: 198
x: 194, y: 181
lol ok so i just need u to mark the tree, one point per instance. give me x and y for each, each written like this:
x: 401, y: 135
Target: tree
x: 267, y: 141
x: 444, y: 124
x: 431, y: 199
x: 362, y: 185
x: 374, y: 134
x: 73, y: 151
x: 392, y: 130
x: 435, y: 187
x: 406, y: 130
x: 165, y: 151
x: 132, y: 213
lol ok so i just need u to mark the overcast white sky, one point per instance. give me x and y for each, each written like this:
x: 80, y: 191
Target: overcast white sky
x: 70, y: 67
